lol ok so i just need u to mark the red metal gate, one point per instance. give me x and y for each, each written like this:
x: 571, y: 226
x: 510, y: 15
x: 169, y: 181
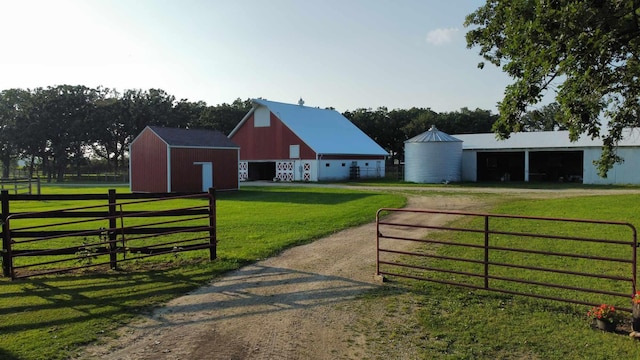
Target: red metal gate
x: 549, y: 258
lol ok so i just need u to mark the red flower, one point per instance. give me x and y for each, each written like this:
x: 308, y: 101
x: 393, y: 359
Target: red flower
x: 603, y: 312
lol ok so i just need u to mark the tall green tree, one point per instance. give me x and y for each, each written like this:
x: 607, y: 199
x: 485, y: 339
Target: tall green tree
x: 374, y: 123
x: 34, y: 132
x: 224, y: 117
x: 148, y: 107
x: 110, y: 138
x: 13, y: 112
x: 586, y: 51
x: 466, y: 121
x: 66, y: 112
x: 543, y: 119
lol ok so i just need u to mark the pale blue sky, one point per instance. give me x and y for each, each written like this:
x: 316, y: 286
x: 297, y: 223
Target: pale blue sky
x: 347, y: 54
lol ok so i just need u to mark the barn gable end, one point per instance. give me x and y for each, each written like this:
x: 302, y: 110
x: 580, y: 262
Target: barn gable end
x: 261, y: 142
x: 147, y: 148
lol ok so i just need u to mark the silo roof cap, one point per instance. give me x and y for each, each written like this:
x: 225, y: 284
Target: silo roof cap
x: 433, y: 135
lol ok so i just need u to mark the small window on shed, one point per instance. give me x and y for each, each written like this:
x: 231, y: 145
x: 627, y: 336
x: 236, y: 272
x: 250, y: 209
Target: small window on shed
x: 366, y: 164
x: 343, y: 164
x: 327, y: 164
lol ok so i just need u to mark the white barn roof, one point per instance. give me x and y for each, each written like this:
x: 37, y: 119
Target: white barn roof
x: 540, y: 140
x: 325, y: 131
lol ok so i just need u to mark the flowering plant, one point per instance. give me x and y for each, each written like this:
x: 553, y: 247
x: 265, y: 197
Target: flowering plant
x: 636, y: 298
x: 604, y: 312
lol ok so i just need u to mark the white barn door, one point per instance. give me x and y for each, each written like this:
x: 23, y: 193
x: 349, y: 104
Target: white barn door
x: 207, y: 175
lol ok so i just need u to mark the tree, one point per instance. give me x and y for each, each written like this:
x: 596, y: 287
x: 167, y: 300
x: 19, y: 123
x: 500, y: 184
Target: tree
x: 151, y: 107
x: 34, y: 130
x: 223, y: 117
x: 186, y: 114
x: 378, y: 126
x: 587, y: 51
x: 466, y: 121
x: 13, y: 111
x: 543, y: 119
x: 110, y: 138
x: 65, y: 114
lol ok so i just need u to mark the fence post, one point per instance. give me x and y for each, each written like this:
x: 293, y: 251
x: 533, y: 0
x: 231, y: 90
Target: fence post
x: 6, y: 239
x: 634, y: 265
x: 213, y: 240
x: 486, y: 252
x: 113, y: 255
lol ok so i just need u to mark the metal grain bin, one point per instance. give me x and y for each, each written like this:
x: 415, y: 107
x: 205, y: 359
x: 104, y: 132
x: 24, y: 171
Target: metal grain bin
x: 432, y: 157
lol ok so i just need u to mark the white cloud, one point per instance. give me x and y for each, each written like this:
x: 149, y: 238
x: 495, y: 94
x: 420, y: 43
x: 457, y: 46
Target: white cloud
x: 441, y: 36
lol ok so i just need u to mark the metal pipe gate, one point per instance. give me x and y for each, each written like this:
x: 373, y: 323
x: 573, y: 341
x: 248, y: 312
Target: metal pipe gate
x: 499, y: 258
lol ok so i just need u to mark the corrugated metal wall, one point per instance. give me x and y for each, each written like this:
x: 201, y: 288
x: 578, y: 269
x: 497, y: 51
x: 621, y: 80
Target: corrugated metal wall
x: 433, y: 162
x: 622, y: 174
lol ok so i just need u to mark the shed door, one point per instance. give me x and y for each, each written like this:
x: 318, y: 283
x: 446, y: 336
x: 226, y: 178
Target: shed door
x: 207, y: 175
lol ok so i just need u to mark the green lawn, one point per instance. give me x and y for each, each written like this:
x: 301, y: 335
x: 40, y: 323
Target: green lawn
x: 50, y: 317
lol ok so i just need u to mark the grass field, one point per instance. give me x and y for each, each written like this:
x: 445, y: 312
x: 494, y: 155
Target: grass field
x: 50, y: 317
x: 458, y: 323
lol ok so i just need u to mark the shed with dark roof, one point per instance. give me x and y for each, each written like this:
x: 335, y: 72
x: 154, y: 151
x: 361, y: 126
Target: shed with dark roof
x: 182, y: 160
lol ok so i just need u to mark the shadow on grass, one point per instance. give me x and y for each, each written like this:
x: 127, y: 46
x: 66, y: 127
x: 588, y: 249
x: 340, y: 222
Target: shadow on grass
x: 91, y: 296
x: 244, y: 292
x: 258, y: 290
x: 6, y: 355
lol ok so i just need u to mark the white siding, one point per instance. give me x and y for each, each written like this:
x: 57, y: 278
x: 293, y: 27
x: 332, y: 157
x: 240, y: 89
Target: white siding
x: 297, y: 170
x: 621, y: 174
x: 340, y: 169
x: 469, y: 166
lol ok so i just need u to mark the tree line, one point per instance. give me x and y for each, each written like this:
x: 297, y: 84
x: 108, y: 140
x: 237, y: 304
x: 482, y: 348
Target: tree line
x: 63, y: 129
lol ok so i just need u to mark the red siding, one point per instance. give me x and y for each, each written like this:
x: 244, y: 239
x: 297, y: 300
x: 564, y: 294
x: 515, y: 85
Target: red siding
x: 187, y: 177
x: 148, y: 163
x: 268, y: 143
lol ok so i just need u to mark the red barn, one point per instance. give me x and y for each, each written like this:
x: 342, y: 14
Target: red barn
x: 182, y: 160
x: 290, y: 142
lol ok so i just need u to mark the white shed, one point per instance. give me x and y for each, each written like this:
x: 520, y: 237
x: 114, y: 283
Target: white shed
x: 433, y: 157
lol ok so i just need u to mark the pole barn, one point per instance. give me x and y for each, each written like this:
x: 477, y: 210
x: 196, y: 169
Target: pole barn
x: 182, y: 160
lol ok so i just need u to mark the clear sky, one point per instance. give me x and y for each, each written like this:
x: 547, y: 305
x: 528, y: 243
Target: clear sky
x: 346, y: 54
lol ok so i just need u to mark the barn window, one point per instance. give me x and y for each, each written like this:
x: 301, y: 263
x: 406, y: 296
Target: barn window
x: 294, y: 151
x: 262, y: 117
x: 343, y: 164
x: 327, y: 164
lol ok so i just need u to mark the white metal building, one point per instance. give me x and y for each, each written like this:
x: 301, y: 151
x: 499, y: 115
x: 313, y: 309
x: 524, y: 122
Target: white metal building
x: 546, y: 156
